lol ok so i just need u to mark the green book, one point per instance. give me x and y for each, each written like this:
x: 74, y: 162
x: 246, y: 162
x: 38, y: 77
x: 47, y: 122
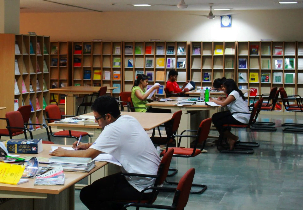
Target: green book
x: 138, y: 50
x: 31, y: 49
x: 45, y: 69
x: 289, y: 78
x: 44, y: 49
x: 117, y: 62
x: 44, y: 103
x: 77, y: 84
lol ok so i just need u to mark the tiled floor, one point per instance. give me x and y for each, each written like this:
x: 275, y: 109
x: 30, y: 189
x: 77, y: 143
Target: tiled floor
x: 270, y: 179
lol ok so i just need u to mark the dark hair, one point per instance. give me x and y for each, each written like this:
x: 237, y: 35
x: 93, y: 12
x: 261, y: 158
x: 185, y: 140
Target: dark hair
x: 172, y: 73
x: 218, y: 82
x: 230, y: 85
x: 106, y: 104
x: 139, y: 78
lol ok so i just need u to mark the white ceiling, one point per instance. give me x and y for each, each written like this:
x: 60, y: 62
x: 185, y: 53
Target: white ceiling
x: 157, y: 5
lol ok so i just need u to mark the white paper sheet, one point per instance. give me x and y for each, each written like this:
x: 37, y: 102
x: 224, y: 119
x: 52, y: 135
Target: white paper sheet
x: 153, y: 92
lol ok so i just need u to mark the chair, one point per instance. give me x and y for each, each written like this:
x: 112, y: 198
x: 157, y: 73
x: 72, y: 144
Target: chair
x: 123, y: 100
x: 200, y: 139
x: 167, y: 93
x: 53, y: 114
x: 15, y: 125
x: 88, y: 102
x: 181, y: 194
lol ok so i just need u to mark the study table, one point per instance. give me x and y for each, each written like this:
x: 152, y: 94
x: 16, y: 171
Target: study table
x: 28, y: 196
x: 215, y: 94
x: 71, y: 91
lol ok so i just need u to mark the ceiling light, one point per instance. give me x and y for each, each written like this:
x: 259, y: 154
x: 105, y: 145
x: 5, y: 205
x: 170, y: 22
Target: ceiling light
x: 221, y: 9
x: 141, y: 5
x: 288, y: 2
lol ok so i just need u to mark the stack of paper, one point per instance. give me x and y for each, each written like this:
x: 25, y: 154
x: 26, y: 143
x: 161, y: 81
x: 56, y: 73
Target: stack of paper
x: 78, y: 164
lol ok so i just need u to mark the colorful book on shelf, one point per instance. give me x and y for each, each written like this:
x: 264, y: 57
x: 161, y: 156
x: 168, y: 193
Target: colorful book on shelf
x: 149, y: 62
x: 130, y: 62
x: 44, y: 85
x: 45, y: 69
x: 17, y: 50
x: 38, y: 48
x: 253, y: 91
x: 170, y: 63
x: 117, y: 50
x: 11, y: 173
x: 289, y: 78
x: 181, y: 50
x: 77, y: 62
x: 138, y: 50
x: 62, y: 99
x: 44, y: 103
x: 160, y: 50
x: 38, y: 86
x: 242, y: 77
x: 31, y: 48
x: 206, y: 77
x: 45, y: 52
x: 97, y: 74
x: 289, y: 63
x: 218, y: 49
x: 38, y: 68
x: 229, y: 51
x: 54, y: 62
x: 160, y: 76
x: 138, y: 72
x: 55, y: 99
x: 118, y: 88
x: 87, y: 49
x: 242, y: 63
x: 196, y: 50
x: 278, y: 64
x: 148, y: 50
x: 24, y: 90
x: 17, y: 92
x: 63, y: 61
x: 128, y: 50
x: 254, y: 49
x: 78, y: 49
x: 253, y: 77
x: 116, y: 62
x: 265, y: 77
x: 16, y: 104
x: 116, y: 75
x: 54, y: 50
x: 150, y: 75
x: 37, y: 105
x: 170, y: 50
x: 77, y: 84
x: 106, y: 75
x: 160, y: 62
x: 277, y: 77
x: 86, y: 74
x: 32, y: 108
x: 17, y: 72
x: 278, y: 50
x: 161, y: 90
x: 181, y: 63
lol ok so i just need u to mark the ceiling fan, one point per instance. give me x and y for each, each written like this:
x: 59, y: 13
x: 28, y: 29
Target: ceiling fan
x: 182, y: 5
x: 210, y: 14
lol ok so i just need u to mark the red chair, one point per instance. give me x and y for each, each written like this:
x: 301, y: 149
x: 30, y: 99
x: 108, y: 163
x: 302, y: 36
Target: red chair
x: 123, y: 100
x: 181, y: 193
x: 15, y: 125
x: 53, y: 114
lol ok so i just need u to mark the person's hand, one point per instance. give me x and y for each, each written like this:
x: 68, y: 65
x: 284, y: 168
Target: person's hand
x: 154, y: 98
x: 59, y: 152
x: 81, y: 146
x: 185, y: 90
x: 211, y: 99
x: 156, y: 87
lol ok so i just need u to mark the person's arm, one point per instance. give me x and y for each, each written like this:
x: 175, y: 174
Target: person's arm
x: 141, y: 96
x: 227, y: 101
x: 92, y: 153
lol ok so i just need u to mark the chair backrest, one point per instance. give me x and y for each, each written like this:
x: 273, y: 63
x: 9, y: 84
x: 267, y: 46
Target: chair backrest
x: 167, y: 93
x: 132, y: 108
x: 183, y: 189
x: 25, y: 112
x: 283, y: 95
x: 255, y: 112
x: 203, y: 130
x: 124, y: 97
x: 176, y: 121
x: 273, y: 92
x: 53, y: 112
x: 102, y: 90
x: 15, y: 120
x: 164, y: 166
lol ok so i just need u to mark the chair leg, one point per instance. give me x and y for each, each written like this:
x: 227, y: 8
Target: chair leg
x: 224, y: 148
x: 204, y: 187
x: 175, y: 171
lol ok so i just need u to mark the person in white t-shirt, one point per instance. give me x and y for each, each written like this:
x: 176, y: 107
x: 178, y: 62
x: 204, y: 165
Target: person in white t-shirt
x: 238, y: 112
x: 124, y: 138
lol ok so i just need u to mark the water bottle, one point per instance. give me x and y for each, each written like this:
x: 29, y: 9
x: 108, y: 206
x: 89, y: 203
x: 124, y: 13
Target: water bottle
x: 206, y: 95
x: 202, y: 94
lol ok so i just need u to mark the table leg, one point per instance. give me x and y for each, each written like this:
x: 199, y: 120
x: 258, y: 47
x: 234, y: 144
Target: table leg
x: 70, y: 104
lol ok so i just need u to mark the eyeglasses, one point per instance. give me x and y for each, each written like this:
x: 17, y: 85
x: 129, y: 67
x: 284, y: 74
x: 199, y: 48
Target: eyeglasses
x: 98, y: 118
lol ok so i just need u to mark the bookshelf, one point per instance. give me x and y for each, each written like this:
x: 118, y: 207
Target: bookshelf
x: 155, y: 59
x: 60, y: 68
x: 211, y: 60
x: 26, y: 79
x: 97, y: 64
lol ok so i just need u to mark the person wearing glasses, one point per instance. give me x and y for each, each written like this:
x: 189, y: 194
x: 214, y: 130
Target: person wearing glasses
x: 218, y: 84
x: 124, y: 138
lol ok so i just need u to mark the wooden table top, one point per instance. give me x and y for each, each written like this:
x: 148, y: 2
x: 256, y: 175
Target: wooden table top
x: 70, y: 177
x: 147, y: 120
x: 78, y: 89
x: 174, y: 103
x: 211, y: 93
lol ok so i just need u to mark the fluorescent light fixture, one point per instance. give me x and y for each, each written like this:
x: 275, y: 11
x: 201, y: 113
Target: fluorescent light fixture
x: 288, y: 2
x: 141, y: 5
x: 222, y: 9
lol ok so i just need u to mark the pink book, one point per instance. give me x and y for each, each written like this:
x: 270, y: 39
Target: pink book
x: 23, y: 87
x: 37, y: 104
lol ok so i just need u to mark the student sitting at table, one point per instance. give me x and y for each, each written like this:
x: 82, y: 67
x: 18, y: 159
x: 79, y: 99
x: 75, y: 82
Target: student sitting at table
x: 139, y: 94
x: 218, y: 84
x: 238, y: 112
x: 124, y: 138
x: 172, y: 86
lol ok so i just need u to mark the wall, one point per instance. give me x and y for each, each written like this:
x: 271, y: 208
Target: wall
x: 278, y: 25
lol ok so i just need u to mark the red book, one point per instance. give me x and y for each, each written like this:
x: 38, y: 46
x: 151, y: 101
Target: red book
x: 37, y: 122
x: 37, y: 104
x: 148, y: 49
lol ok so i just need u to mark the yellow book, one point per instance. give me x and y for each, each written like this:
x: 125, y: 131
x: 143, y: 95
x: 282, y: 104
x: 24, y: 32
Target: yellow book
x: 160, y: 62
x: 97, y: 75
x: 219, y: 50
x: 253, y: 77
x: 10, y: 173
x: 160, y: 76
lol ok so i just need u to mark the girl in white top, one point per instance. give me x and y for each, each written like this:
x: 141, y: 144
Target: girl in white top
x: 238, y: 112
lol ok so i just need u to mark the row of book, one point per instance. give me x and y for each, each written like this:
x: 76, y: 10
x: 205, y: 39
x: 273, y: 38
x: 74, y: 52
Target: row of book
x: 97, y: 75
x: 289, y: 78
x: 266, y: 50
x: 170, y: 50
x: 31, y: 49
x: 160, y: 75
x: 31, y: 68
x: 31, y: 90
x: 38, y: 107
x: 289, y: 63
x: 160, y: 63
x: 218, y: 50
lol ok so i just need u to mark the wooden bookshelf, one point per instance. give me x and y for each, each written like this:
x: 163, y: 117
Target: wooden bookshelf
x: 155, y: 59
x: 211, y: 60
x: 97, y: 64
x: 26, y: 79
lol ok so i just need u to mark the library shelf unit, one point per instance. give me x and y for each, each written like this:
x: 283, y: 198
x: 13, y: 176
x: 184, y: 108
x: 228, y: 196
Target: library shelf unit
x: 26, y: 80
x: 211, y: 60
x: 60, y: 68
x: 155, y: 59
x: 97, y: 64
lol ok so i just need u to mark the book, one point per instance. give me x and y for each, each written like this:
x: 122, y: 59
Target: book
x: 130, y: 62
x: 265, y: 63
x: 97, y: 74
x: 289, y: 78
x: 31, y: 168
x: 138, y: 72
x: 242, y: 63
x: 77, y: 62
x: 206, y: 77
x: 32, y: 108
x: 150, y: 75
x: 148, y: 50
x: 24, y: 146
x: 149, y: 63
x: 159, y: 75
x: 196, y: 50
x: 16, y: 104
x: 17, y: 92
x: 17, y: 72
x: 160, y: 62
x: 138, y: 50
x: 253, y: 77
x: 181, y: 50
x: 253, y: 91
x: 62, y: 99
x: 242, y: 77
x: 116, y: 75
x: 118, y: 88
x: 44, y: 104
x: 38, y: 49
x: 106, y: 75
x: 128, y: 76
x: 254, y: 49
x: 71, y: 160
x: 45, y: 68
x: 278, y: 64
x: 38, y: 68
x: 10, y: 173
x: 24, y: 90
x: 78, y: 49
x: 278, y: 50
x: 229, y: 50
x: 289, y: 63
x: 31, y: 48
x: 277, y: 77
x: 170, y: 63
x: 86, y: 74
x: 37, y: 105
x: 265, y: 77
x: 116, y: 62
x: 55, y: 176
x: 170, y: 50
x: 17, y: 50
x: 218, y: 49
x: 45, y: 52
x: 160, y: 50
x: 87, y: 49
x: 54, y: 50
x: 128, y: 50
x: 161, y: 90
x: 117, y: 50
x: 63, y: 61
x: 54, y: 62
x: 181, y: 63
x: 38, y: 86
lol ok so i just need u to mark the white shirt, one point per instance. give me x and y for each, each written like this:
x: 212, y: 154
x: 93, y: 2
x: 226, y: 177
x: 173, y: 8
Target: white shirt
x: 239, y: 105
x: 127, y: 141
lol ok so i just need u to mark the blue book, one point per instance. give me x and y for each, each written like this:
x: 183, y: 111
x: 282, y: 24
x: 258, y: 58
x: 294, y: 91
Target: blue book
x: 242, y: 63
x: 86, y: 74
x: 117, y: 90
x: 24, y: 146
x: 161, y: 90
x: 31, y: 49
x: 30, y: 103
x: 130, y: 63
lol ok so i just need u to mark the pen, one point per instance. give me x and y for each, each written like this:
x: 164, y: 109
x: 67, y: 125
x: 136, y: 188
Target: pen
x: 78, y: 141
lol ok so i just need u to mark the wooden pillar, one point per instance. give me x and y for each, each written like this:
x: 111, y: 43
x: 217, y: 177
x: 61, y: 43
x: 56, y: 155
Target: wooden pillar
x: 10, y: 16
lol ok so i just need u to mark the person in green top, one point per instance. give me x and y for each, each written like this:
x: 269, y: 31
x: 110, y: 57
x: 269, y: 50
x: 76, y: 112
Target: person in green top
x: 139, y: 94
